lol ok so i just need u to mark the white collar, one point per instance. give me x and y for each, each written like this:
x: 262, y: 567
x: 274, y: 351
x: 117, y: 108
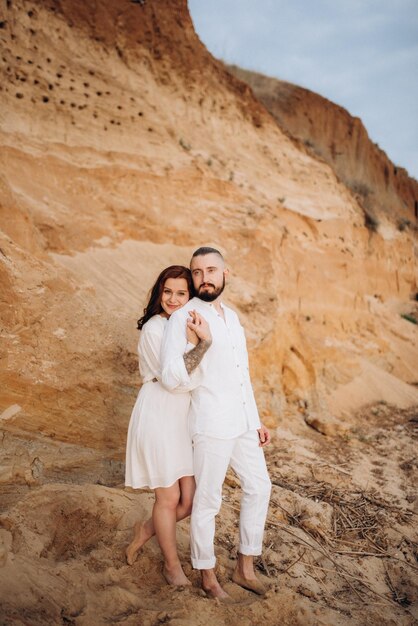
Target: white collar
x: 209, y: 305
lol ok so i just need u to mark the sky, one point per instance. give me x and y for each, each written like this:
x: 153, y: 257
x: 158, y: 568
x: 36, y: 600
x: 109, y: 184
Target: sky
x: 361, y: 54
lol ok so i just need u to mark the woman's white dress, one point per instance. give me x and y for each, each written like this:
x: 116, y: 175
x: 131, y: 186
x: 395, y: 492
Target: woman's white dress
x: 159, y: 447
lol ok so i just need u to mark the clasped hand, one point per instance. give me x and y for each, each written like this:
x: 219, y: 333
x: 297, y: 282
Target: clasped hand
x: 197, y: 328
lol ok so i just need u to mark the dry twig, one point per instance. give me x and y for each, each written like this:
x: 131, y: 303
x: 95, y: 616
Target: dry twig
x: 294, y: 562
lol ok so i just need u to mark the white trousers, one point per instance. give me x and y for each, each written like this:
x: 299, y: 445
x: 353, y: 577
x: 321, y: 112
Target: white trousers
x: 211, y: 460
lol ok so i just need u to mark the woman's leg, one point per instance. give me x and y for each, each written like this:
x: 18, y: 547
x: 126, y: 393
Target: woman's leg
x: 187, y: 489
x: 143, y: 531
x: 164, y: 516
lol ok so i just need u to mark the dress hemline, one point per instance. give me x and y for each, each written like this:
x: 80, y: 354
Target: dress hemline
x: 156, y: 484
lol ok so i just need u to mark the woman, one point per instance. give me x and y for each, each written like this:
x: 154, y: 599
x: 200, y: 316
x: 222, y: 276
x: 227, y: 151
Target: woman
x: 159, y: 449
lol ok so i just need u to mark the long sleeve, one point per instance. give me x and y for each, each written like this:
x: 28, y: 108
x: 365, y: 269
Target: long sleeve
x: 149, y: 348
x: 173, y: 370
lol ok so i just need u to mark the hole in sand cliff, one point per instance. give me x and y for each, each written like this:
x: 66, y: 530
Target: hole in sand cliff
x: 19, y: 95
x: 45, y: 99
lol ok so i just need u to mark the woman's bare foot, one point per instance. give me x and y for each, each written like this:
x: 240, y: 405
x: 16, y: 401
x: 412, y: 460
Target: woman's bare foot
x: 176, y: 576
x: 141, y: 536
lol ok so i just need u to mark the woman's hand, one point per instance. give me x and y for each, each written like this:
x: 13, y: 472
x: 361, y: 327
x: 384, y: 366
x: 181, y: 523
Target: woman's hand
x: 198, y: 325
x: 191, y: 336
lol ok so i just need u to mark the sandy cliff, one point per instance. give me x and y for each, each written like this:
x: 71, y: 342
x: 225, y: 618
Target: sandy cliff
x: 124, y: 145
x: 330, y: 132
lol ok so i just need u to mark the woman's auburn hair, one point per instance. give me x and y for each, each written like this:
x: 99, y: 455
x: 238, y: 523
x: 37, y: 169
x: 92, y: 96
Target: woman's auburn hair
x: 154, y: 302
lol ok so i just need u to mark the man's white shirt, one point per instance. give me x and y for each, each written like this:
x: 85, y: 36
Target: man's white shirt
x: 223, y: 405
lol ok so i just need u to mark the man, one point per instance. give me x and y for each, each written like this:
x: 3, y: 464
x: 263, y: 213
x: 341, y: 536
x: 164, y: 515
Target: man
x: 224, y: 420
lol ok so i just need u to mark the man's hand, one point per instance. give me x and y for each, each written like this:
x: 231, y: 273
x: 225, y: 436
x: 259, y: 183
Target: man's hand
x: 263, y: 436
x: 199, y: 325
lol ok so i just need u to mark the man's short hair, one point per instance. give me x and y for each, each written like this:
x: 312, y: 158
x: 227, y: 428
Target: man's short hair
x: 206, y: 250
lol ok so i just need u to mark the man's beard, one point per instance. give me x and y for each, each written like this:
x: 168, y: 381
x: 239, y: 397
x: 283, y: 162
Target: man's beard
x: 207, y: 296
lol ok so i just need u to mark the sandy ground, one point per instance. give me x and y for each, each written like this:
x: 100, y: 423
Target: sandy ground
x: 340, y: 542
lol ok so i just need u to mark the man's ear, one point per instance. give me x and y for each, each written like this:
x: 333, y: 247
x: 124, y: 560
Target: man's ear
x: 226, y: 272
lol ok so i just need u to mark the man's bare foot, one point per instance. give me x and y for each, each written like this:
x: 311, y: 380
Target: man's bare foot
x: 211, y: 586
x: 176, y: 576
x: 216, y: 592
x: 249, y: 582
x: 140, y: 537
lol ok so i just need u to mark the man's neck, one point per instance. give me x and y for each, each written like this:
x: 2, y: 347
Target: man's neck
x: 215, y: 303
